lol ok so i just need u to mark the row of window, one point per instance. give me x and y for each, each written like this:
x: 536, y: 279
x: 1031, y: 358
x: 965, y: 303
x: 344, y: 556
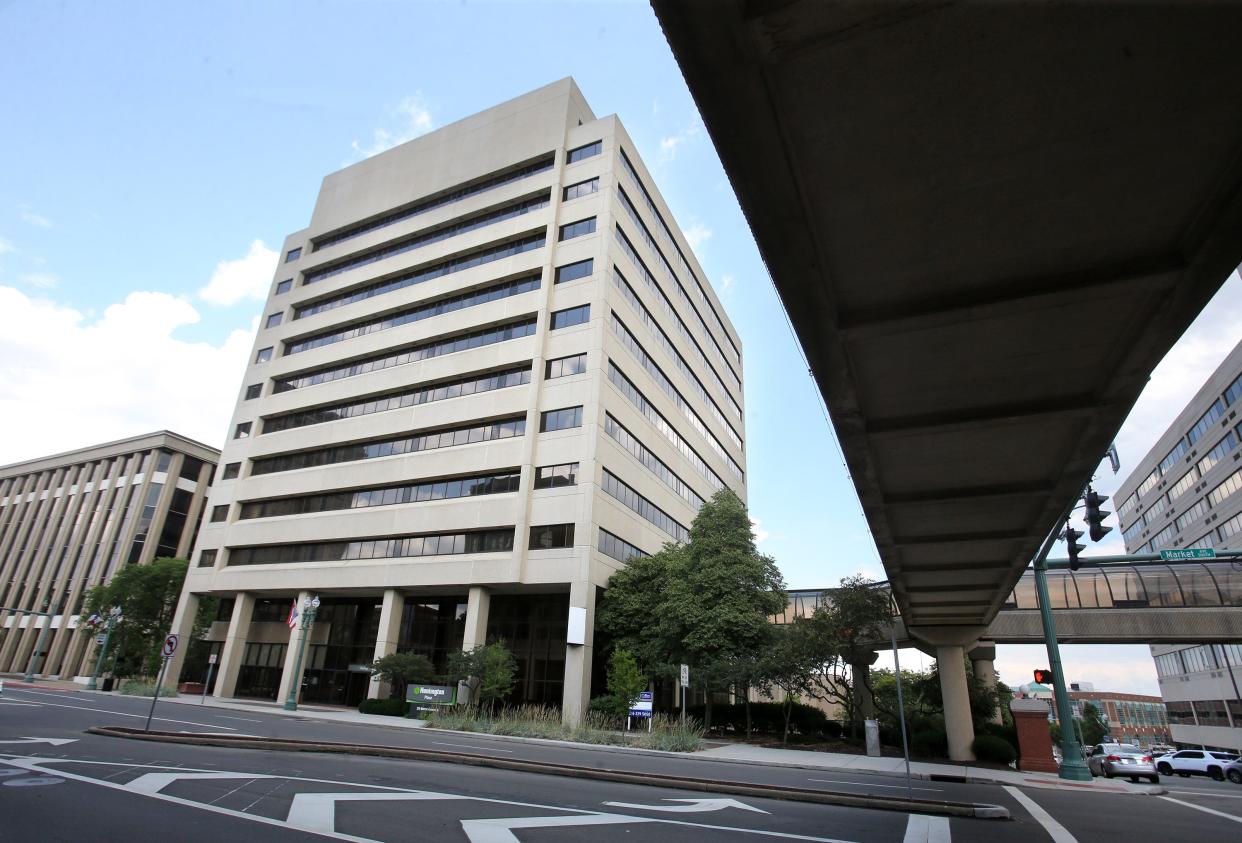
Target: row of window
x: 448, y: 304
x: 628, y: 248
x: 1157, y: 505
x: 672, y: 241
x: 478, y: 257
x: 436, y: 544
x: 652, y: 463
x: 407, y: 444
x: 1199, y: 658
x: 563, y: 367
x: 570, y: 317
x: 617, y: 547
x: 580, y: 153
x: 431, y: 490
x: 550, y: 536
x: 425, y: 238
x: 424, y: 351
x: 426, y: 394
x: 574, y: 271
x: 644, y: 359
x: 489, y: 182
x: 556, y: 476
x: 582, y: 188
x: 662, y: 339
x: 581, y: 228
x: 551, y: 420
x: 645, y: 407
x: 618, y: 489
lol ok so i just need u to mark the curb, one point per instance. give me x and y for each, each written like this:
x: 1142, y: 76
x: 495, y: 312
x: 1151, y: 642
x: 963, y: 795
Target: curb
x: 795, y: 794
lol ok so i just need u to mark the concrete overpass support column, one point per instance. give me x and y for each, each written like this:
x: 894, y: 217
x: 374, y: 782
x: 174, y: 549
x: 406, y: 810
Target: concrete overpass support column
x: 389, y: 634
x: 864, y: 699
x: 983, y: 661
x: 951, y: 661
x: 287, y: 678
x: 234, y: 645
x: 579, y: 648
x: 183, y: 628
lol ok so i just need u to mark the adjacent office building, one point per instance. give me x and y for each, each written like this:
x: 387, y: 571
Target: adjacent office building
x: 69, y: 522
x: 488, y: 373
x: 1187, y: 493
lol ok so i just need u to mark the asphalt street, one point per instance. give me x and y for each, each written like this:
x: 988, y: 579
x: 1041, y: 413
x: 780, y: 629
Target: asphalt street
x: 71, y: 785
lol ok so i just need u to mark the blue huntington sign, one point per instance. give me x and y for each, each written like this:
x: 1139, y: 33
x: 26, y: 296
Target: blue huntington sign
x: 431, y: 694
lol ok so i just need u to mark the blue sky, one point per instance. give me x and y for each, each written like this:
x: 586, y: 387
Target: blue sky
x: 156, y: 154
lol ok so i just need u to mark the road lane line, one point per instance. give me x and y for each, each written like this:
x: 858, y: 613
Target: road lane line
x: 869, y: 784
x: 1211, y: 811
x: 1208, y: 794
x: 28, y: 705
x: 246, y: 719
x: 1055, y: 830
x: 921, y: 828
x: 142, y: 716
x: 472, y: 746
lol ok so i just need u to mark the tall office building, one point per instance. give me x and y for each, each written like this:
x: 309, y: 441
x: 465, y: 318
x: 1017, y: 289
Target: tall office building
x: 1185, y: 493
x: 488, y: 372
x: 70, y: 521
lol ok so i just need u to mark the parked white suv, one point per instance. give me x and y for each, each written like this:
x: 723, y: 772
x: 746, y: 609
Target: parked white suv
x: 1195, y: 762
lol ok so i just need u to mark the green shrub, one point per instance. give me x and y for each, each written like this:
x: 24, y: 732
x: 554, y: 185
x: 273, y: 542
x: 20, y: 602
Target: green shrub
x: 996, y: 730
x: 930, y: 743
x: 144, y: 688
x: 833, y: 728
x: 993, y: 749
x: 387, y: 708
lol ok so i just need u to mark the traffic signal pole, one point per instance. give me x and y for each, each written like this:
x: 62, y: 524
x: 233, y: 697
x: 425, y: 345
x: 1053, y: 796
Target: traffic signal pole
x: 1073, y: 767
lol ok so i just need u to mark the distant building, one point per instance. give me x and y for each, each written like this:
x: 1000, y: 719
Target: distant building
x: 1132, y: 718
x: 68, y: 522
x: 1185, y: 494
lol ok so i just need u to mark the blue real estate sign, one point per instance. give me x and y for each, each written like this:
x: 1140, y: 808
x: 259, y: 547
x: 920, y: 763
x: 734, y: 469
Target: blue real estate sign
x: 641, y: 707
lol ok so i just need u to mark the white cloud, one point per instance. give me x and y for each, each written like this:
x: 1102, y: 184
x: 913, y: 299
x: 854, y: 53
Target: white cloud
x: 37, y: 220
x: 68, y: 380
x: 1110, y: 667
x: 40, y: 280
x: 6, y: 246
x: 756, y: 528
x: 245, y: 278
x: 697, y: 236
x: 727, y: 284
x: 670, y: 144
x: 413, y: 118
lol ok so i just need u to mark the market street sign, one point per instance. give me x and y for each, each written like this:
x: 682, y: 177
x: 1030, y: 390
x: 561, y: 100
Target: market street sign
x: 1190, y: 553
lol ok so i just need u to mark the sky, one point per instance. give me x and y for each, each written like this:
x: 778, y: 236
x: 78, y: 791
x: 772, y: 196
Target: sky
x: 156, y: 155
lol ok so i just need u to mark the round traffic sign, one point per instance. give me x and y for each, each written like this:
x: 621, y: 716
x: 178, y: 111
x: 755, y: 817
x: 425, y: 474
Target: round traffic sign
x: 170, y: 645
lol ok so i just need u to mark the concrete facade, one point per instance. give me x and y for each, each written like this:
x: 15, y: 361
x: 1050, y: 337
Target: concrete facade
x: 70, y: 521
x: 1187, y: 493
x: 624, y: 372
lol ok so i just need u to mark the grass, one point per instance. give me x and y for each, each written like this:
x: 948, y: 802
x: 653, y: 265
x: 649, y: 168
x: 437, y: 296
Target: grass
x: 533, y: 721
x: 144, y: 688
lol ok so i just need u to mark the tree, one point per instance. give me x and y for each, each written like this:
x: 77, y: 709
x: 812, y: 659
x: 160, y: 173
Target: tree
x: 1093, y: 725
x: 625, y: 683
x: 400, y: 669
x: 488, y: 671
x: 147, y: 595
x: 789, y: 664
x: 706, y: 603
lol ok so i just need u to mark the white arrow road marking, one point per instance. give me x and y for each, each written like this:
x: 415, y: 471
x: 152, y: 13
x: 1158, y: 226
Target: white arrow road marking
x: 152, y: 783
x: 694, y: 805
x: 500, y: 830
x: 52, y: 741
x: 317, y: 811
x: 921, y: 828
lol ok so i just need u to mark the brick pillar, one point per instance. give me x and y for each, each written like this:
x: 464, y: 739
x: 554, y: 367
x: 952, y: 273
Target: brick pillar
x: 1030, y: 718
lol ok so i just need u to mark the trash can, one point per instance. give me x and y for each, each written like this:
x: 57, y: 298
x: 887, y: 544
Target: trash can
x: 108, y: 682
x: 872, y: 728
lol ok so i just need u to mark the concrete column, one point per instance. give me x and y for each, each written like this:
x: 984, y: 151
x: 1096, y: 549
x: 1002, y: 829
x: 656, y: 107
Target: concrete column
x: 234, y: 645
x: 576, y: 695
x: 477, y: 609
x: 386, y: 639
x: 983, y: 661
x: 287, y: 678
x: 183, y: 627
x: 864, y: 700
x: 951, y: 661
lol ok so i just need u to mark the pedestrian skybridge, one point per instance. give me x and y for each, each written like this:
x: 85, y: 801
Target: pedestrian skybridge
x: 1146, y: 603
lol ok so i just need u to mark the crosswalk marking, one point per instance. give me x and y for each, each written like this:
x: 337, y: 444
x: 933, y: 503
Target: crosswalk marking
x: 921, y: 828
x: 317, y: 811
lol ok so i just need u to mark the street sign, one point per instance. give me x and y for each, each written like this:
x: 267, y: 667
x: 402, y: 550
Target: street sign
x: 1190, y: 553
x: 211, y: 659
x: 99, y: 639
x: 170, y: 646
x: 641, y: 707
x: 685, y: 676
x: 435, y: 694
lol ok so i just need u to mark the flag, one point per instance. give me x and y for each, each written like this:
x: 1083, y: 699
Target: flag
x: 292, y: 620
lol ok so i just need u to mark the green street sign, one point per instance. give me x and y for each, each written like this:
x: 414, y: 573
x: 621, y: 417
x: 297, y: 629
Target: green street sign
x: 1192, y: 553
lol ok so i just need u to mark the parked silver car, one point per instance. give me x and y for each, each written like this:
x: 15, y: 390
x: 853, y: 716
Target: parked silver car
x: 1121, y: 759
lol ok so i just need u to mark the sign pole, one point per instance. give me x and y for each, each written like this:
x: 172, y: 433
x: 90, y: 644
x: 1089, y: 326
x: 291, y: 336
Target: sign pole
x: 159, y: 682
x: 211, y: 666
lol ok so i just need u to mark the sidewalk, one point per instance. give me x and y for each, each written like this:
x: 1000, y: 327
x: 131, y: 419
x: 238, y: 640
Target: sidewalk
x: 731, y: 753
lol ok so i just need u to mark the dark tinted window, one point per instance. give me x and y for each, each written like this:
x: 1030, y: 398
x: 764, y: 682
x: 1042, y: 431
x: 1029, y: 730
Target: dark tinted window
x: 284, y: 286
x: 263, y: 355
x: 560, y: 419
x: 582, y: 188
x: 572, y: 316
x: 220, y: 513
x: 551, y: 536
x: 577, y: 229
x: 254, y: 391
x: 293, y: 254
x: 242, y: 431
x: 552, y: 476
x: 562, y: 367
x: 231, y: 470
x: 574, y: 271
x: 274, y: 319
x: 585, y: 151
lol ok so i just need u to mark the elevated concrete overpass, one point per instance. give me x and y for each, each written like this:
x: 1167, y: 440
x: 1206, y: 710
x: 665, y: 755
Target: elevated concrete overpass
x: 988, y: 222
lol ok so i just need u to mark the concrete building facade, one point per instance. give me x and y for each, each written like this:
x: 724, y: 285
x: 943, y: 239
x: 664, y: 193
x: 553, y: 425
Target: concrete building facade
x: 488, y: 372
x: 69, y: 522
x: 1187, y: 493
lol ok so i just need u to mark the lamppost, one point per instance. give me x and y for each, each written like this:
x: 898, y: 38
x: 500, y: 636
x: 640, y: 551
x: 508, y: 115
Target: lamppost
x: 114, y: 617
x: 308, y: 617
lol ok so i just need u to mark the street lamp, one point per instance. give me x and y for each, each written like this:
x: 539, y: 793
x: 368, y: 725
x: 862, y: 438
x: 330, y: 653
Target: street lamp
x: 308, y: 617
x: 114, y: 617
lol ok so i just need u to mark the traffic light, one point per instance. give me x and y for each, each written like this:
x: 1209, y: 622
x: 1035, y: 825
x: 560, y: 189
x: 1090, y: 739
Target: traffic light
x: 1043, y: 677
x: 1094, y: 516
x: 1072, y: 546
